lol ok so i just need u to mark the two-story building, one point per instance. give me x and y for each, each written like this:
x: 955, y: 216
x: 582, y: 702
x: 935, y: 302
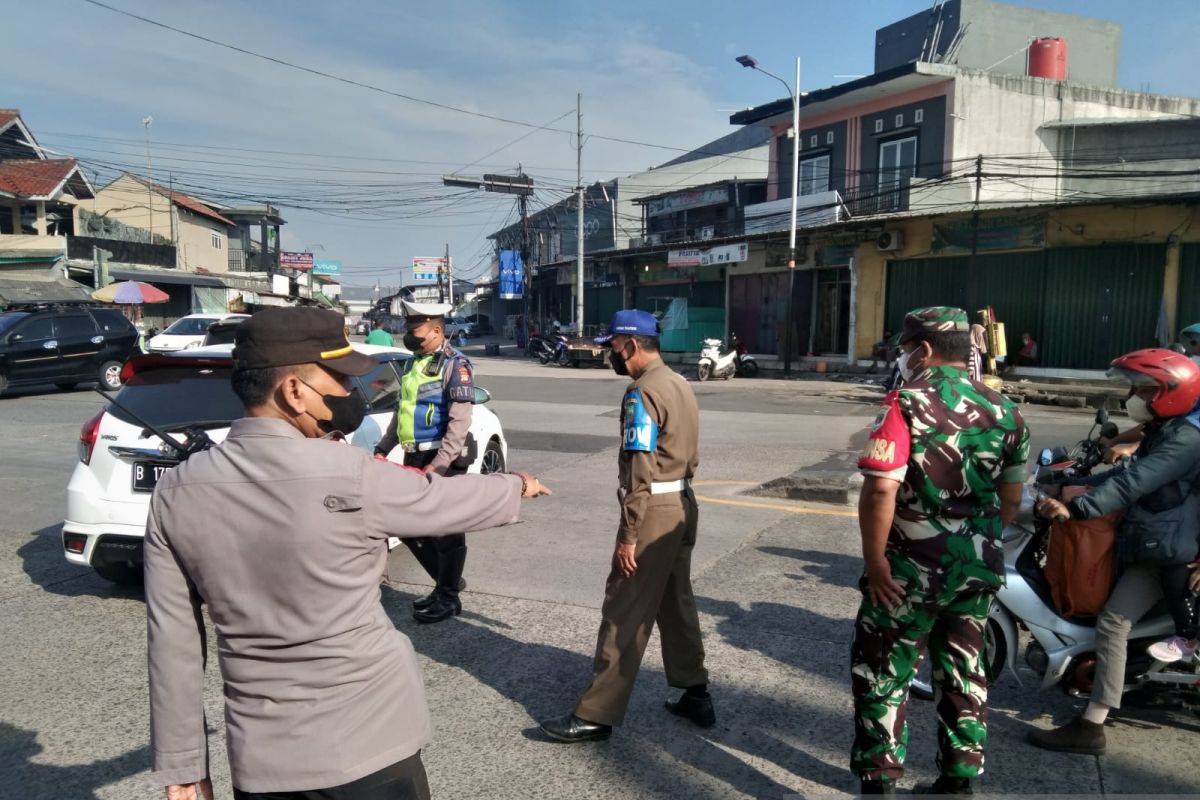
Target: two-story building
x: 901, y: 171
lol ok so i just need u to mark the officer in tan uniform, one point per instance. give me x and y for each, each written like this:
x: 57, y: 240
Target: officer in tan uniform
x: 650, y: 579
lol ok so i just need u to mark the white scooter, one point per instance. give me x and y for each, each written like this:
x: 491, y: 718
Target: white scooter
x: 1062, y: 650
x: 715, y: 364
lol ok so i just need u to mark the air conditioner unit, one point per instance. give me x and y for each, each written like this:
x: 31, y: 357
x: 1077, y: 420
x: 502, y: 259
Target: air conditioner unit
x: 890, y: 241
x: 654, y: 238
x: 637, y: 241
x: 707, y: 232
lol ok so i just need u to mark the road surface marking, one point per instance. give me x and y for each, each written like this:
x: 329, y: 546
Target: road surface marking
x: 777, y: 507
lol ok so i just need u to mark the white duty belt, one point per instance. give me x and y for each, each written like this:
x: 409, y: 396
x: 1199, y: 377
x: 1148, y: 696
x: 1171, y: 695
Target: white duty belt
x: 421, y: 447
x: 667, y: 487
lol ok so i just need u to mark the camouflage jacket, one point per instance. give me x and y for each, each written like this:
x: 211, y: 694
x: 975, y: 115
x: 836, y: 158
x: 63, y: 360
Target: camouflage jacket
x: 949, y: 441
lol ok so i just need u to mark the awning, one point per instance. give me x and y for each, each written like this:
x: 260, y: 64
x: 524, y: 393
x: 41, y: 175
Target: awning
x: 18, y: 287
x: 155, y: 276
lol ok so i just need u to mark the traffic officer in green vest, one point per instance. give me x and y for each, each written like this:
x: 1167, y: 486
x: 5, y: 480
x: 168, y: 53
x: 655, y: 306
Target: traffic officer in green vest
x: 431, y: 424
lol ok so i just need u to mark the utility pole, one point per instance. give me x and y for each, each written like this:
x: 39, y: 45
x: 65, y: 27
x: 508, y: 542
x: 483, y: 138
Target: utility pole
x: 147, y: 121
x: 449, y: 275
x: 579, y: 212
x: 527, y: 280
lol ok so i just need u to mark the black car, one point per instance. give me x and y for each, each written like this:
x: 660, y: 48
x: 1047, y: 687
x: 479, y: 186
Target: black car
x: 64, y: 345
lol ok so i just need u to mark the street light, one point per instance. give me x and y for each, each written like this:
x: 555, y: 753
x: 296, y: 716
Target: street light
x: 789, y: 341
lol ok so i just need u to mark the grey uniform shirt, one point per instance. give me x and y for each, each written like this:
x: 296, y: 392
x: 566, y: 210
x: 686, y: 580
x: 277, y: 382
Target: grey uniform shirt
x: 284, y: 539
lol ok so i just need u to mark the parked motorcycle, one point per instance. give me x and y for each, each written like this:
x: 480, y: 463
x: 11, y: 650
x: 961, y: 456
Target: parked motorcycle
x: 715, y: 364
x: 1062, y: 650
x: 555, y: 349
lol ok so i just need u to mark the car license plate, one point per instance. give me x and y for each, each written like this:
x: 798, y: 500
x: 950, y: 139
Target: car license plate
x: 147, y: 473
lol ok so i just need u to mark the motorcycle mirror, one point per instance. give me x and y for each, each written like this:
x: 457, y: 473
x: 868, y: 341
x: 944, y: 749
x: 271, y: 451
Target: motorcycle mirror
x: 1109, y: 430
x: 1101, y: 416
x: 1046, y: 457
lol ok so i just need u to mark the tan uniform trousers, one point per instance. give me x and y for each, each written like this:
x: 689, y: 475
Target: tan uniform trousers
x: 660, y: 591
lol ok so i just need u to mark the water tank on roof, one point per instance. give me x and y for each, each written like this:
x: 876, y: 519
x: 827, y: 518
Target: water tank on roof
x: 1048, y: 59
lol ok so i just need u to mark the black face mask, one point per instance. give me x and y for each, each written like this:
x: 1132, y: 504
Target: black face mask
x: 617, y: 362
x: 347, y: 411
x: 413, y: 342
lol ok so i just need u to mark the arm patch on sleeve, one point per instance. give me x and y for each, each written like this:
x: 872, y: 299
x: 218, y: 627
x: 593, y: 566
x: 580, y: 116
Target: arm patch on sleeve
x: 460, y: 382
x: 640, y: 431
x: 890, y: 441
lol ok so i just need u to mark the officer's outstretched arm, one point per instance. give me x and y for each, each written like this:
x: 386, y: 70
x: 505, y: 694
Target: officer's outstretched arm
x: 403, y: 502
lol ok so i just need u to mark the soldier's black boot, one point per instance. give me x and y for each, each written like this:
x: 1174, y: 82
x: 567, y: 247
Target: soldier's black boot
x: 446, y: 603
x: 945, y: 785
x: 422, y: 603
x: 424, y: 551
x: 876, y: 787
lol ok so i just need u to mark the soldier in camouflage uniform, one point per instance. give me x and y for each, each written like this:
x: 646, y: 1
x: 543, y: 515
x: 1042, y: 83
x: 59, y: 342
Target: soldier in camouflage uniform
x: 943, y: 471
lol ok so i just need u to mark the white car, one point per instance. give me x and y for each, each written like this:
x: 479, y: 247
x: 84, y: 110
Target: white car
x: 120, y: 460
x: 187, y: 333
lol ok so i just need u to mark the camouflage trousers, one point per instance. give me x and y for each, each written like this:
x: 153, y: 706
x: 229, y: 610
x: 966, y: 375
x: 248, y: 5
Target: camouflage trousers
x: 887, y: 648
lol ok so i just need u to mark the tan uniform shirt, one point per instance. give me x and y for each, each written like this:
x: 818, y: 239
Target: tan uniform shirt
x: 660, y: 441
x: 284, y: 539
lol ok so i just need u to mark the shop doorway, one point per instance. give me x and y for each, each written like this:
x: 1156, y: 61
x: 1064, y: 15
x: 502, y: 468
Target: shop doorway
x: 831, y: 312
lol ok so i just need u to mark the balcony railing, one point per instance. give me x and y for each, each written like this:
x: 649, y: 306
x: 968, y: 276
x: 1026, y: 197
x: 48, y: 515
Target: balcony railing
x: 883, y: 198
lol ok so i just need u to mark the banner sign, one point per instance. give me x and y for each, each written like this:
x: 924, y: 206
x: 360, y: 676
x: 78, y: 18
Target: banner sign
x: 725, y: 254
x: 512, y: 275
x: 295, y: 260
x: 681, y: 201
x: 427, y: 269
x: 327, y: 268
x: 1009, y: 232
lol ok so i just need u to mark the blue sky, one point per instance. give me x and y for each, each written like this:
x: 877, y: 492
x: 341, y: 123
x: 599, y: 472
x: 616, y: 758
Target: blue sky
x: 661, y: 72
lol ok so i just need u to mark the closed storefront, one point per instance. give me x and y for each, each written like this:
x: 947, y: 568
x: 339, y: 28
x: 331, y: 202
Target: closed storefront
x: 1084, y: 305
x: 758, y: 309
x: 1189, y: 286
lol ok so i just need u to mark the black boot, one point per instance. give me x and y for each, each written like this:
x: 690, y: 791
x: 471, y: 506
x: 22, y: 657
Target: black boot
x: 424, y: 550
x: 876, y: 787
x: 945, y: 785
x: 445, y: 602
x: 695, y: 707
x: 421, y: 603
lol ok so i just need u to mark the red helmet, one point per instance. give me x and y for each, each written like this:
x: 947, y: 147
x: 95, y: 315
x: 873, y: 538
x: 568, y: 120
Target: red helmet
x: 1176, y: 376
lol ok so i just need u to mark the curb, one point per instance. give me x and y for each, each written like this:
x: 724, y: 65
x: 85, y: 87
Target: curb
x: 814, y: 486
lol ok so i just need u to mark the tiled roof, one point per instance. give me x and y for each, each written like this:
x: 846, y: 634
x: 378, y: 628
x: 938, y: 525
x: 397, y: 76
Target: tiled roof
x: 7, y: 115
x: 188, y: 202
x: 33, y: 178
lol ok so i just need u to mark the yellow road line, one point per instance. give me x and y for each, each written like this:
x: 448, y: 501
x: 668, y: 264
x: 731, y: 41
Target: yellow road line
x: 724, y: 483
x: 777, y: 507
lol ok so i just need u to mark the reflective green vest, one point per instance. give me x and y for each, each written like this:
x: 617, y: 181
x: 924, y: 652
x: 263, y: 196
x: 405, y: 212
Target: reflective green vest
x: 423, y: 403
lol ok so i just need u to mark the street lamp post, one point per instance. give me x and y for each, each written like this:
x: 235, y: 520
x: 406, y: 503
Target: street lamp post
x: 790, y: 337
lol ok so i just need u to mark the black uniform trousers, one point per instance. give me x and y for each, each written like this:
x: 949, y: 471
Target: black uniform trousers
x: 436, y: 554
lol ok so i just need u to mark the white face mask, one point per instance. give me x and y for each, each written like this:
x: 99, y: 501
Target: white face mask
x: 906, y: 370
x: 1139, y: 409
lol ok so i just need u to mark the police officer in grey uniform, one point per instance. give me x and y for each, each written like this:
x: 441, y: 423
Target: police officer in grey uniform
x: 281, y: 532
x: 431, y: 423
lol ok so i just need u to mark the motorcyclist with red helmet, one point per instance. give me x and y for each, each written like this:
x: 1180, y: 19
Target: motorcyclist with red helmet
x: 1158, y: 533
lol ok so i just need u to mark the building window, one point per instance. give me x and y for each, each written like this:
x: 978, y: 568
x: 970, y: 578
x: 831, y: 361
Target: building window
x: 829, y: 137
x: 897, y: 164
x: 899, y: 120
x: 814, y: 174
x: 919, y: 116
x: 216, y: 240
x: 812, y: 140
x: 879, y: 125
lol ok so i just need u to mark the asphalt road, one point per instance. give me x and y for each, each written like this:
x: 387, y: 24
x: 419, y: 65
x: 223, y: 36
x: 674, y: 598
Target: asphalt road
x: 775, y: 583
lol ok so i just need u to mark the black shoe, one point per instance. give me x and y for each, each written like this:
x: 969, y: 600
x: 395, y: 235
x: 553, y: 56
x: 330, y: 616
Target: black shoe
x: 1078, y: 736
x: 422, y: 603
x: 572, y: 729
x: 698, y: 709
x: 876, y: 787
x: 945, y: 785
x: 442, y: 608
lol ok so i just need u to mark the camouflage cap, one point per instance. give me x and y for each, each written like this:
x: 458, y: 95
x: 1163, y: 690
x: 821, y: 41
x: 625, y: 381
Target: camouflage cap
x: 933, y: 319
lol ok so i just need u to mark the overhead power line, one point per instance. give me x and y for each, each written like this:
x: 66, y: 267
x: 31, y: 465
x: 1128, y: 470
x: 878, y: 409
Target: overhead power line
x: 399, y: 95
